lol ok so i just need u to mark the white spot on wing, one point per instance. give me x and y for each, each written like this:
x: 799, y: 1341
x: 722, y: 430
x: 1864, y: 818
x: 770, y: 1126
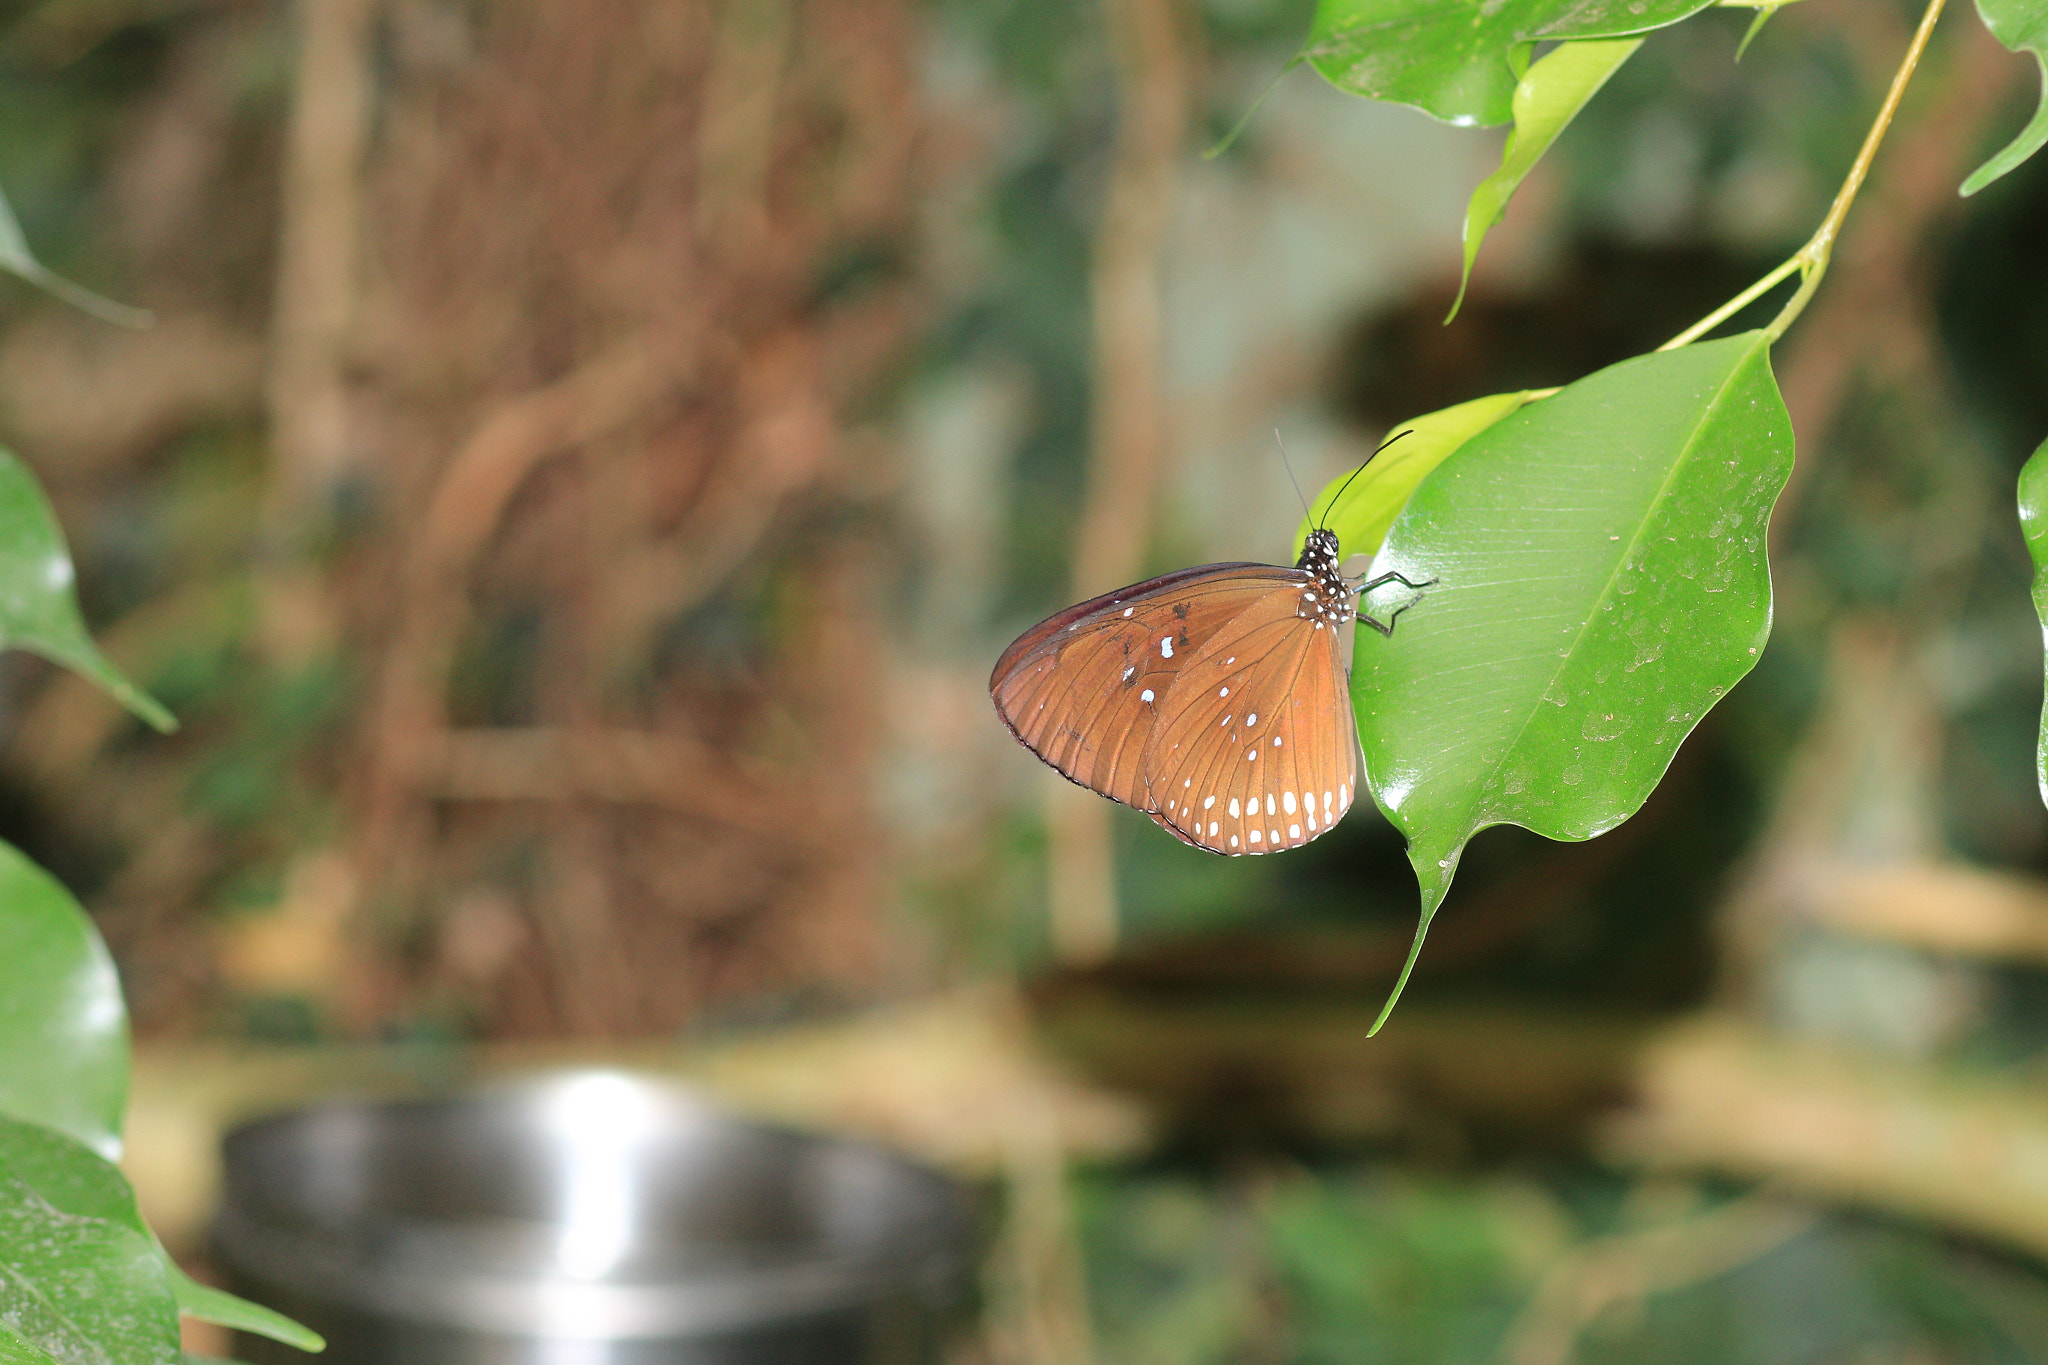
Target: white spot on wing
x: 1287, y: 800
x: 1235, y: 812
x: 1145, y: 696
x: 1255, y: 836
x: 1294, y: 831
x: 1166, y: 648
x: 1208, y: 801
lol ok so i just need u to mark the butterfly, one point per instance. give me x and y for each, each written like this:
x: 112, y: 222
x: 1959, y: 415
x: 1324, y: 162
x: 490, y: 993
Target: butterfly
x: 1214, y: 699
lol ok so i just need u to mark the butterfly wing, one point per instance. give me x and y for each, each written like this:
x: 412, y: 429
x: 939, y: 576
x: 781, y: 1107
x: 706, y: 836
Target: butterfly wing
x: 1257, y: 750
x: 1085, y: 689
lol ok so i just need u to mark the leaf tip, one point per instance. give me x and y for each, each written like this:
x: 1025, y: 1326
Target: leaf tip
x: 152, y: 713
x: 1459, y: 301
x: 1433, y: 879
x: 1401, y: 981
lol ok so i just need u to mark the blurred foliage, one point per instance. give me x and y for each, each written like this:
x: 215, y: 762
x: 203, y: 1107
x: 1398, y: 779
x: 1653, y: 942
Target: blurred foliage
x: 1686, y: 176
x: 1361, y: 1264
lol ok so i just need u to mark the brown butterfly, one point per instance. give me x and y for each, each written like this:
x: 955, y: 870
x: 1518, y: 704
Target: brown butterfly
x: 1214, y: 699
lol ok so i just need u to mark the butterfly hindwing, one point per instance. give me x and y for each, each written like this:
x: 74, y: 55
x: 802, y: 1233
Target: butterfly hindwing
x: 1257, y: 751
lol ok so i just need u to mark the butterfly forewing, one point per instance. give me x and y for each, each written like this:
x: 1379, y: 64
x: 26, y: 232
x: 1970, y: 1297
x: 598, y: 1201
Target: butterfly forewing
x: 1085, y: 689
x: 1257, y: 751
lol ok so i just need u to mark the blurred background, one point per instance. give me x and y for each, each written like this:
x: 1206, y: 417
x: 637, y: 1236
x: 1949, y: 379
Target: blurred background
x: 590, y: 453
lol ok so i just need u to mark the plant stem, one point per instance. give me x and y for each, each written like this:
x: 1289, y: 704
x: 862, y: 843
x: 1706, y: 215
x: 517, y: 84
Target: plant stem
x: 1811, y: 260
x: 1733, y: 306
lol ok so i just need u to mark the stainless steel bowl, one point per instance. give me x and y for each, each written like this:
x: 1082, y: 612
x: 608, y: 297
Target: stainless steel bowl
x: 587, y: 1218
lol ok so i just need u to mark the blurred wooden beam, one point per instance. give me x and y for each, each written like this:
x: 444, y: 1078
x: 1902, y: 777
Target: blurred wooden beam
x: 1968, y: 1152
x: 1941, y: 908
x: 1303, y: 1068
x: 952, y: 1080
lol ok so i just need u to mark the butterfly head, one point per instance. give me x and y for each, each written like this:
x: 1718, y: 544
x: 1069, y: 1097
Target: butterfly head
x: 1327, y: 597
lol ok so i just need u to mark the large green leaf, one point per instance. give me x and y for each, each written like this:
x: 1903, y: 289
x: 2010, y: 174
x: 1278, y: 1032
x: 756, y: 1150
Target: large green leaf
x: 15, y: 256
x: 1360, y: 506
x: 1601, y: 582
x: 2034, y: 526
x: 75, y: 1180
x: 38, y: 608
x: 1460, y: 59
x: 63, y: 1027
x: 85, y: 1290
x: 2021, y: 25
x: 1549, y: 96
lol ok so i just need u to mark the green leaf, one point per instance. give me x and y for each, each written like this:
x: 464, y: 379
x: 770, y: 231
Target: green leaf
x: 2034, y: 526
x: 1549, y: 96
x: 38, y: 609
x: 1361, y: 508
x: 68, y: 1175
x: 16, y: 1349
x: 2022, y: 25
x: 15, y: 256
x: 63, y: 1027
x: 1459, y: 60
x: 87, y: 1291
x: 208, y: 1304
x: 75, y: 1180
x: 1601, y: 583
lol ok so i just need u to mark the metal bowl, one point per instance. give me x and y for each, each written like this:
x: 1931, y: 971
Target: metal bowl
x: 587, y: 1217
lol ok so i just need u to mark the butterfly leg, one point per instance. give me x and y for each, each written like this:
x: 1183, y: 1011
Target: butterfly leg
x: 1386, y: 627
x: 1387, y: 578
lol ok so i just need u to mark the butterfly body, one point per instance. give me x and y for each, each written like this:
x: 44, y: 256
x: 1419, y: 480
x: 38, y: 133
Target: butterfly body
x: 1214, y: 699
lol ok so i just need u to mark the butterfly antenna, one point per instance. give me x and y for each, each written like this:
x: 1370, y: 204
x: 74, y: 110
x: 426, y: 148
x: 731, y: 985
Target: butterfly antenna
x: 1405, y: 431
x: 1288, y: 465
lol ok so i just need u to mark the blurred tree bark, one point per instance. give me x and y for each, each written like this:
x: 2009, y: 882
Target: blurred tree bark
x: 318, y: 282
x: 1130, y: 427
x: 612, y: 381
